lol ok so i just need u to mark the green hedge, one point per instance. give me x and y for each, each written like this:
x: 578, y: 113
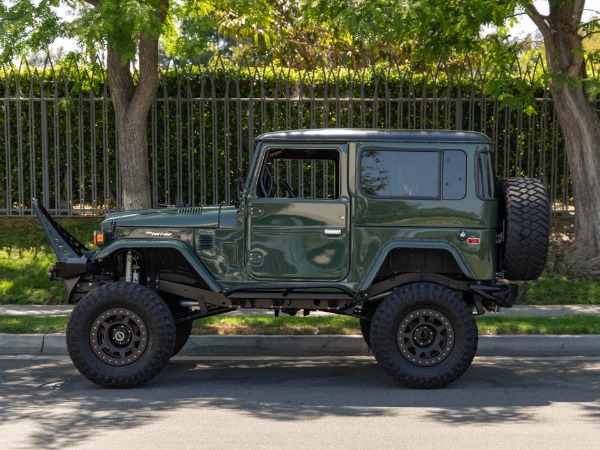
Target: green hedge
x: 57, y: 137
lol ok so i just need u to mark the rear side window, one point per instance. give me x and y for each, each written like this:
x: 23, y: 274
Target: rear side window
x: 455, y: 175
x: 413, y: 174
x: 386, y: 173
x: 485, y: 176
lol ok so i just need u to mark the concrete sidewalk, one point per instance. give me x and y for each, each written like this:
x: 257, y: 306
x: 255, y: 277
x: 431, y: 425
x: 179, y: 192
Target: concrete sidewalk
x: 515, y: 345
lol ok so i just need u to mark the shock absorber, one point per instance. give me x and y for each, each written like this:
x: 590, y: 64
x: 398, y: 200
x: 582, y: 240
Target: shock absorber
x: 128, y: 264
x: 132, y: 267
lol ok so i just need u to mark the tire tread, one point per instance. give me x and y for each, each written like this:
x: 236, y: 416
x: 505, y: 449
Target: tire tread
x: 527, y: 216
x: 383, y: 335
x: 156, y: 355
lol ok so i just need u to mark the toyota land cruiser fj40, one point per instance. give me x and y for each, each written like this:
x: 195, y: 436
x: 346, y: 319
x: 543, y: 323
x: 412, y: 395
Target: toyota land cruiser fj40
x: 406, y: 230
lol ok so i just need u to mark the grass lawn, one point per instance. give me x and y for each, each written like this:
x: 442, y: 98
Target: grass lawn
x: 338, y: 325
x: 561, y: 290
x: 26, y: 257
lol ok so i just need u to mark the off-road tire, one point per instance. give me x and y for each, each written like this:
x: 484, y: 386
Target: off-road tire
x: 424, y: 335
x: 526, y: 216
x: 120, y: 335
x: 182, y: 334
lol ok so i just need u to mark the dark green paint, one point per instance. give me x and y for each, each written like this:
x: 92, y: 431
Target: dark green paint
x: 343, y: 240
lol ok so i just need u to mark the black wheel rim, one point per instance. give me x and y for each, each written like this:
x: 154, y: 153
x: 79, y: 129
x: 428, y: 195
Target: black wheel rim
x: 118, y: 337
x: 425, y: 337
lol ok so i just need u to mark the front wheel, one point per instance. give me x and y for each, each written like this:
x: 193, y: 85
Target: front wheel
x: 424, y: 335
x: 121, y: 335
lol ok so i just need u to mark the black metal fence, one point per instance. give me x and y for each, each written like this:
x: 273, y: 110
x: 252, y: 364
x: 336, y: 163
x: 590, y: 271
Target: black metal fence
x: 58, y: 142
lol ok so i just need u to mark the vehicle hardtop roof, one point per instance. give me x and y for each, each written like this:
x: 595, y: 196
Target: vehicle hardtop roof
x: 373, y: 135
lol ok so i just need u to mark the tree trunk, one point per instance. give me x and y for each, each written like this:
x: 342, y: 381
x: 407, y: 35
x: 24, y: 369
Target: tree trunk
x: 132, y: 104
x: 133, y: 161
x: 579, y: 123
x: 581, y: 129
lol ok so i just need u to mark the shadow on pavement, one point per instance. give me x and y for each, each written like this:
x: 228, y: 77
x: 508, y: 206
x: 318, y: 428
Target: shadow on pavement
x: 62, y: 408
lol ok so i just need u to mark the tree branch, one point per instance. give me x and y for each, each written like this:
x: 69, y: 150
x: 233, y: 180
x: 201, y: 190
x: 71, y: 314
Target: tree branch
x: 587, y: 24
x: 120, y: 82
x: 583, y: 24
x: 538, y: 19
x: 578, y: 8
x: 145, y: 93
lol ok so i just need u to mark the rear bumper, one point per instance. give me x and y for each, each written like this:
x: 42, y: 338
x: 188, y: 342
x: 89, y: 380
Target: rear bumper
x: 504, y: 295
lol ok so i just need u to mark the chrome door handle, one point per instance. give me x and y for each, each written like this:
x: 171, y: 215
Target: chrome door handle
x: 332, y: 232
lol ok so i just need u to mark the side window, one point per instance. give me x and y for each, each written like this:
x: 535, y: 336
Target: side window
x: 300, y: 173
x: 414, y: 174
x: 455, y: 175
x: 394, y: 173
x: 485, y: 176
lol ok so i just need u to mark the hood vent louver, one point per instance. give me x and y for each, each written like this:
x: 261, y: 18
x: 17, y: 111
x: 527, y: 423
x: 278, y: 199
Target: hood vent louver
x: 189, y: 211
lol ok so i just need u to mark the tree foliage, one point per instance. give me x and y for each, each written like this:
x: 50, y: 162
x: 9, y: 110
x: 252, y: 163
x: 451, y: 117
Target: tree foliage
x: 118, y: 24
x: 312, y: 33
x: 27, y: 26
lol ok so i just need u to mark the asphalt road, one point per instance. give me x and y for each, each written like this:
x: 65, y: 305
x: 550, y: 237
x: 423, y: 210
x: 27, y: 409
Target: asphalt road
x: 307, y: 403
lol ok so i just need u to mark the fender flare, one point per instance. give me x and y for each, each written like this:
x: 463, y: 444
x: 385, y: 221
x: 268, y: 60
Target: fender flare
x: 369, y: 276
x: 184, y: 250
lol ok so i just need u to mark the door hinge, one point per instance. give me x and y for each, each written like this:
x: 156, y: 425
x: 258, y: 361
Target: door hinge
x: 255, y: 257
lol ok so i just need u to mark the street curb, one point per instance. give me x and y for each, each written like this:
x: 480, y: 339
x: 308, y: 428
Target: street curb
x: 276, y: 345
x: 512, y: 345
x: 16, y: 344
x: 540, y: 345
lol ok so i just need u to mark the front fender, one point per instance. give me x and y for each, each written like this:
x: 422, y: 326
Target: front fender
x: 184, y: 250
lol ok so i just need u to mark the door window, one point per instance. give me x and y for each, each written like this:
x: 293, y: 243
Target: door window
x: 300, y: 173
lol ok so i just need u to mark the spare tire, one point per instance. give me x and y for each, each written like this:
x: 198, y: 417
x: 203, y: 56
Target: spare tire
x: 525, y: 215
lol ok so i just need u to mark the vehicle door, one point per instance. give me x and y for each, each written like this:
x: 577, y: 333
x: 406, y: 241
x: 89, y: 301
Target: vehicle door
x: 297, y: 219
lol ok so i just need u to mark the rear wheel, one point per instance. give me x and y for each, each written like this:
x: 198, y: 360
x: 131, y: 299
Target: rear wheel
x: 120, y: 335
x: 424, y: 335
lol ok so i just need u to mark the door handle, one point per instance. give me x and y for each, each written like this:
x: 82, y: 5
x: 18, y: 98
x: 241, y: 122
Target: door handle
x: 332, y: 231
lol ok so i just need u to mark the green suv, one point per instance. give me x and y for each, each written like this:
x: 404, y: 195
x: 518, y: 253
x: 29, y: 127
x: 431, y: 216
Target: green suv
x: 406, y: 230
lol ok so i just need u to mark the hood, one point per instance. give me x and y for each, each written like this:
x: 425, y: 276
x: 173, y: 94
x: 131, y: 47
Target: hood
x: 188, y: 217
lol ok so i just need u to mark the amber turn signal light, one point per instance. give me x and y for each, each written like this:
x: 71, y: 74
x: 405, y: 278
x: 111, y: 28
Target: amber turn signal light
x: 98, y: 238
